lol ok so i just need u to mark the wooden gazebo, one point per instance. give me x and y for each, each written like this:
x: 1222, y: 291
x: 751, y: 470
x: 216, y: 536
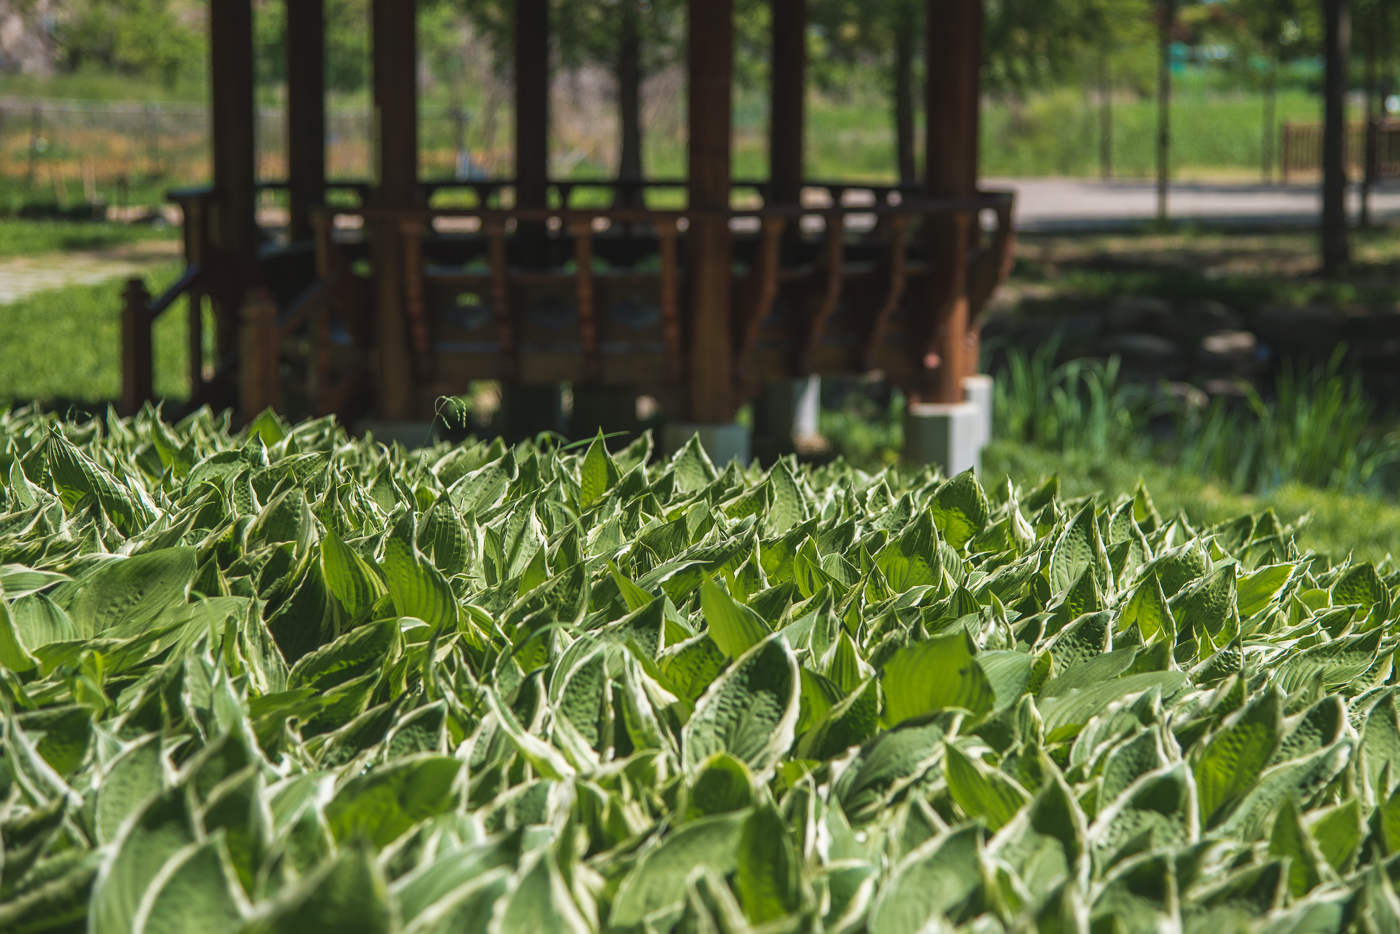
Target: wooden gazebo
x: 383, y: 308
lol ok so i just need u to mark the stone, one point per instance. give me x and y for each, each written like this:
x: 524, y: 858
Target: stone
x: 946, y: 434
x: 722, y: 442
x: 1142, y: 346
x: 1137, y: 313
x: 1225, y: 343
x: 1194, y: 321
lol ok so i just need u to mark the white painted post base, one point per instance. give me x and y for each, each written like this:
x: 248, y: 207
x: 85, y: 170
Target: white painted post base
x: 722, y: 443
x: 980, y: 391
x: 943, y: 433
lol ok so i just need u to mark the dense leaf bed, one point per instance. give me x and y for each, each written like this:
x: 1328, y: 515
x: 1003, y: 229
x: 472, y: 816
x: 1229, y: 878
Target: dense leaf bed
x: 286, y: 681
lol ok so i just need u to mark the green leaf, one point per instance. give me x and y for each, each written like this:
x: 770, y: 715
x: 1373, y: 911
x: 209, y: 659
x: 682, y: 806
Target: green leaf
x: 195, y: 892
x: 353, y: 655
x: 1261, y: 586
x: 417, y: 588
x: 734, y: 627
x: 1290, y: 839
x: 930, y: 676
x: 162, y: 828
x: 750, y: 711
x: 346, y: 894
x: 658, y: 879
x: 350, y: 579
x: 1148, y: 609
x: 598, y: 473
x: 938, y: 880
x: 1229, y: 762
x: 388, y: 801
x: 786, y: 508
x: 541, y: 902
x: 768, y: 870
x: 1339, y: 831
x: 135, y: 775
x: 982, y: 791
x: 960, y: 509
x: 125, y: 596
x: 1079, y: 547
x: 13, y: 654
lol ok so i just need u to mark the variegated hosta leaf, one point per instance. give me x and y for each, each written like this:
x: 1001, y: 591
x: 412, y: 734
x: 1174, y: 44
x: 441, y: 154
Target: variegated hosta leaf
x: 281, y: 680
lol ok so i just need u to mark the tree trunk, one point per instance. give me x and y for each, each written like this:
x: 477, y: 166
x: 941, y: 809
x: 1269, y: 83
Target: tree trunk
x: 1270, y: 118
x: 629, y: 105
x: 1336, y: 252
x: 1166, y: 12
x: 904, y: 96
x: 1105, y: 118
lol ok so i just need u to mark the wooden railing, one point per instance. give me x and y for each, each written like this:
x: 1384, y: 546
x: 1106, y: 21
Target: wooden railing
x: 977, y: 262
x: 140, y: 311
x: 1372, y: 149
x: 864, y: 293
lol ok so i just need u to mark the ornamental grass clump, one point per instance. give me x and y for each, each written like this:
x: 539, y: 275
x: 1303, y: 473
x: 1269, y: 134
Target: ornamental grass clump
x: 285, y: 681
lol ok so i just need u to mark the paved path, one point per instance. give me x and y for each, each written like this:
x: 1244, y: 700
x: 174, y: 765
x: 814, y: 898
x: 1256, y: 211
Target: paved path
x: 1051, y: 204
x: 22, y: 276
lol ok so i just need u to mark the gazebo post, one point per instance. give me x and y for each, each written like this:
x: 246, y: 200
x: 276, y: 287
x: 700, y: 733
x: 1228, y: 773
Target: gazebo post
x: 708, y: 353
x: 788, y: 92
x: 395, y: 67
x: 531, y: 103
x: 939, y: 424
x: 234, y: 230
x: 306, y: 114
x: 529, y: 410
x: 783, y: 408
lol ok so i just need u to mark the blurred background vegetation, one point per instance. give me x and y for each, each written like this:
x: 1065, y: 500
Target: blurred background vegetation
x: 102, y: 111
x: 1070, y: 87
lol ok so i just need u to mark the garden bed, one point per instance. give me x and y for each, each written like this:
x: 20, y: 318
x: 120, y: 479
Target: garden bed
x: 282, y: 680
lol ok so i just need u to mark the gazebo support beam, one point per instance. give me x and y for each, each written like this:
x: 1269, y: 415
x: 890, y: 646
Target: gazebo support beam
x: 306, y: 114
x: 395, y: 64
x: 954, y: 57
x: 787, y: 111
x: 531, y: 103
x: 711, y: 53
x: 234, y: 232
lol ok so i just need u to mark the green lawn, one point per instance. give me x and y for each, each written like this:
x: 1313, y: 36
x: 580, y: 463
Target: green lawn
x: 27, y: 237
x: 64, y: 345
x: 1338, y: 522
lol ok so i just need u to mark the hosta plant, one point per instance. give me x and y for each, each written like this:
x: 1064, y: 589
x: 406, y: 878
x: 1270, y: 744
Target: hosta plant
x: 281, y: 680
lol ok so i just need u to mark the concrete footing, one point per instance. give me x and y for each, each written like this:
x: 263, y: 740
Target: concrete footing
x: 783, y: 411
x: 723, y: 443
x: 951, y: 435
x: 980, y: 391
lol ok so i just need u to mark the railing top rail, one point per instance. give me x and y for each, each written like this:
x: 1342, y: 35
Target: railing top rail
x: 986, y: 200
x: 433, y: 184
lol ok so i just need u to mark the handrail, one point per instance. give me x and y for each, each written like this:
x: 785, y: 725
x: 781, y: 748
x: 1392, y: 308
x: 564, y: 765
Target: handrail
x: 178, y: 288
x: 987, y: 200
